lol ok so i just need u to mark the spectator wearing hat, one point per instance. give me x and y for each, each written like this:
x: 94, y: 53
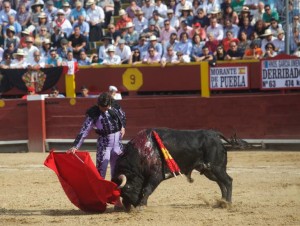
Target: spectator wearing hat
x: 151, y: 30
x: 41, y: 36
x: 197, y: 47
x: 132, y: 8
x: 23, y: 16
x: 96, y: 21
x: 36, y: 10
x: 37, y: 62
x: 64, y: 48
x: 77, y: 41
x: 269, y: 14
x: 184, y: 27
x: 180, y: 5
x: 45, y: 48
x: 275, y: 26
x: 50, y: 11
x: 279, y: 42
x: 197, y: 29
x: 121, y: 23
x: 24, y: 34
x: 62, y: 23
x: 108, y: 6
x: 152, y: 56
x: 184, y: 45
x: 84, y: 27
x: 131, y: 36
x: 111, y: 58
x: 161, y: 8
x: 54, y: 60
x: 30, y: 91
x: 19, y: 59
x: 123, y: 51
x: 267, y: 37
x: 148, y: 9
x: 201, y: 18
x: 174, y: 22
x: 30, y: 49
x: 66, y: 7
x: 107, y: 42
x: 253, y: 52
x: 142, y: 46
x: 153, y: 42
x: 216, y: 13
x: 113, y: 91
x: 43, y: 21
x: 186, y: 15
x: 166, y: 32
x: 57, y: 36
x: 215, y: 29
x: 139, y: 21
x: 11, y: 38
x: 6, y: 10
x: 76, y: 12
x: 158, y: 20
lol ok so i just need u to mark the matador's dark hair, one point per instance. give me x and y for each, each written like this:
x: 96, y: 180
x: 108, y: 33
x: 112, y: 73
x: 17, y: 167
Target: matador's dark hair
x: 104, y: 100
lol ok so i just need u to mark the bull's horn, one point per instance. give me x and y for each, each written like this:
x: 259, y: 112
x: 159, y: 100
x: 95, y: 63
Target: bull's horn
x: 123, y: 178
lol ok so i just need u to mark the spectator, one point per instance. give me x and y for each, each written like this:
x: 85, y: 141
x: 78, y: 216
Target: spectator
x: 55, y: 93
x: 77, y: 11
x: 157, y: 20
x: 19, y: 59
x: 197, y: 47
x: 30, y: 49
x: 24, y: 34
x: 10, y: 50
x: 246, y: 27
x: 113, y: 91
x: 174, y: 22
x: 11, y: 38
x: 6, y: 61
x: 148, y: 9
x: 6, y: 10
x: 166, y: 32
x: 211, y: 5
x: 112, y: 58
x: 121, y: 23
x: 253, y: 52
x: 130, y: 10
x: 62, y: 23
x: 215, y: 29
x: 96, y: 20
x: 42, y: 22
x: 23, y: 16
x: 201, y: 18
x: 258, y: 15
x: 269, y: 50
x: 206, y: 55
x: 108, y: 6
x: 84, y: 60
x: 228, y: 26
x: 233, y: 53
x: 220, y: 53
x: 267, y: 37
x: 30, y: 91
x: 244, y: 42
x: 184, y: 45
x: 237, y: 5
x: 245, y: 13
x: 142, y: 46
x: 226, y: 41
x: 171, y: 42
x: 50, y: 11
x: 132, y: 36
x: 224, y: 5
x: 77, y: 41
x: 135, y: 57
x: 260, y: 27
x: 36, y: 10
x: 113, y: 33
x: 15, y: 24
x: 182, y: 58
x: 151, y: 30
x: 57, y: 36
x: 152, y: 56
x: 161, y: 8
x: 279, y: 42
x: 84, y: 27
x: 156, y: 45
x: 230, y: 15
x: 172, y: 5
x: 103, y: 49
x: 180, y: 5
x: 185, y: 28
x: 295, y: 53
x: 169, y: 57
x: 71, y: 63
x: 54, y: 60
x: 84, y: 92
x: 252, y: 5
x: 67, y: 10
x: 216, y: 13
x: 197, y: 29
x: 140, y: 22
x: 195, y: 6
x: 275, y: 26
x: 123, y: 51
x: 45, y: 49
x: 37, y: 62
x: 212, y: 43
x: 186, y: 15
x: 269, y: 14
x: 41, y: 36
x: 94, y: 59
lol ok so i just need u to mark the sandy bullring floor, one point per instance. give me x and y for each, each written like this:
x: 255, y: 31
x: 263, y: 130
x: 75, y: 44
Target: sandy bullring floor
x: 266, y: 191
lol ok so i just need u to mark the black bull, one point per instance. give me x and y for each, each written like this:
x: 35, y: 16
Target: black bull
x: 144, y: 166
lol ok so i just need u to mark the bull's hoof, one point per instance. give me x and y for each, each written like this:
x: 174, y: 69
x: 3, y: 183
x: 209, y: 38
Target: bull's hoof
x: 119, y: 208
x: 127, y: 206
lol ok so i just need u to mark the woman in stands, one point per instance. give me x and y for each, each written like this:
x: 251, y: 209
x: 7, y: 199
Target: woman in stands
x: 260, y: 27
x: 244, y: 43
x: 230, y: 14
x: 197, y: 47
x: 270, y: 50
x: 135, y: 57
x: 220, y: 53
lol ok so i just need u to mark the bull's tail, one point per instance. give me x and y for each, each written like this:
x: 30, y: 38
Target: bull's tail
x: 235, y: 143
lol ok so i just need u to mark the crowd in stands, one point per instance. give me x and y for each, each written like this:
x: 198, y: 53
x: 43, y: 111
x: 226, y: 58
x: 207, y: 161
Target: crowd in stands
x: 37, y: 34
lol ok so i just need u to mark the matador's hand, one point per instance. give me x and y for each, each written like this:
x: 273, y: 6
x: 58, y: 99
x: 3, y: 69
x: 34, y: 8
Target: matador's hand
x: 122, y: 132
x: 72, y: 150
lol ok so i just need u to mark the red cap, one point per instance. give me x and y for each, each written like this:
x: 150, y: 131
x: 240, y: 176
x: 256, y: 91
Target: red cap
x: 30, y: 89
x: 197, y: 24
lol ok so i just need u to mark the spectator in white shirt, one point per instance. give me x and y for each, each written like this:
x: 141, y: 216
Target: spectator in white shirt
x: 216, y: 29
x: 148, y: 9
x: 161, y: 8
x: 180, y: 5
x: 279, y: 42
x: 140, y: 22
x: 112, y: 58
x: 123, y: 51
x: 96, y: 20
x: 30, y: 49
x: 7, y: 10
x: 169, y: 56
x: 37, y: 61
x: 19, y: 61
x: 174, y: 22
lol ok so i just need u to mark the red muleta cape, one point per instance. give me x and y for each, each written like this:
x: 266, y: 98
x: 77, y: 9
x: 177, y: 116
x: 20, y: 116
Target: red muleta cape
x: 81, y: 181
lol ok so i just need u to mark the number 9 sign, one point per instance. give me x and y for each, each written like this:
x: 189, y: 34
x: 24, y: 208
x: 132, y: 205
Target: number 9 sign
x: 132, y: 79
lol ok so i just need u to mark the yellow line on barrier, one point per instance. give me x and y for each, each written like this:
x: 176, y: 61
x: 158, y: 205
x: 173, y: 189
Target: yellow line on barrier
x: 70, y: 85
x: 204, y: 76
